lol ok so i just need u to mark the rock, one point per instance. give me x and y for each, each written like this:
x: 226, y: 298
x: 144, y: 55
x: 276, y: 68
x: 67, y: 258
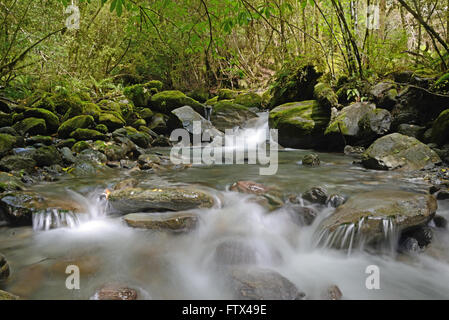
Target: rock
x: 7, y: 296
x: 316, y: 195
x: 422, y: 234
x: 46, y: 140
x: 4, y: 268
x: 115, y: 292
x: 294, y: 85
x: 302, y: 215
x: 335, y: 200
x: 443, y: 195
x: 359, y: 124
x: 80, y: 146
x: 102, y: 128
x: 409, y: 245
x: 355, y: 152
x: 7, y: 143
x: 227, y: 115
x: 65, y: 143
x: 51, y: 120
x: 167, y: 101
x: 440, y: 128
x: 5, y: 119
x: 396, y: 151
x: 82, y: 122
x: 67, y: 156
x: 368, y: 213
x: 271, y: 195
x: 227, y: 94
x: 31, y: 126
x: 300, y: 124
x: 17, y: 163
x: 8, y: 182
x: 139, y: 94
x: 146, y: 114
x: 111, y: 121
x: 141, y: 139
x: 4, y: 107
x: 324, y: 94
x: 262, y: 284
x: 412, y: 130
x: 233, y: 252
x: 332, y: 293
x: 384, y: 95
x: 47, y: 156
x: 87, y: 134
x: 249, y: 100
x: 18, y: 208
x: 92, y: 156
x: 127, y: 183
x: 143, y: 200
x: 311, y: 159
x: 8, y: 130
x: 440, y: 221
x: 188, y: 116
x: 175, y: 222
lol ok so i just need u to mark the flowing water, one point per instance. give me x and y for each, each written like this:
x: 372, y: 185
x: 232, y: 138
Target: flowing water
x: 162, y: 265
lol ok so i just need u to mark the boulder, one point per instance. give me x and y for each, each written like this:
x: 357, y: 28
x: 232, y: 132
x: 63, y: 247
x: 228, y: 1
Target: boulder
x: 132, y: 200
x: 227, y: 115
x: 368, y: 216
x: 71, y: 125
x: 17, y: 163
x: 5, y: 119
x: 51, y: 120
x: 175, y: 222
x: 269, y: 197
x: 316, y: 195
x: 87, y: 134
x: 31, y: 126
x: 139, y: 94
x: 324, y: 94
x: 412, y: 130
x: 384, y: 94
x: 396, y: 151
x: 8, y: 182
x: 45, y: 140
x: 311, y: 160
x: 262, y: 284
x: 167, y: 101
x: 249, y: 100
x: 47, y: 156
x: 300, y: 124
x: 440, y: 128
x: 358, y: 124
x: 7, y: 143
x: 111, y: 121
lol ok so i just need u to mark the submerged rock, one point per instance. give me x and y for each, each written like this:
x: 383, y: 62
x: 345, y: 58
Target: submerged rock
x: 369, y: 214
x: 355, y: 152
x: 316, y: 195
x: 132, y: 200
x: 176, y: 222
x: 262, y: 284
x: 115, y: 292
x: 269, y: 197
x: 396, y: 151
x: 302, y: 215
x: 234, y: 252
x: 311, y: 159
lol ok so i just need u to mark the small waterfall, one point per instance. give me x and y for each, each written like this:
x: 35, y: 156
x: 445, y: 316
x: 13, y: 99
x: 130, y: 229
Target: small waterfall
x: 350, y: 236
x: 95, y: 205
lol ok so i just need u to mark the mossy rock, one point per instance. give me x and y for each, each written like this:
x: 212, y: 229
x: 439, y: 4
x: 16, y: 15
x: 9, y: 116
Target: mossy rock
x: 199, y: 95
x: 440, y: 128
x: 4, y: 107
x: 66, y: 143
x: 47, y: 156
x: 46, y: 101
x: 324, y: 94
x: 16, y: 117
x: 31, y: 126
x: 85, y: 108
x: 300, y: 124
x: 112, y: 120
x: 139, y: 94
x: 141, y: 139
x: 80, y: 146
x: 51, y: 120
x: 167, y: 101
x: 102, y: 128
x: 226, y: 115
x: 154, y: 84
x: 227, y: 94
x: 7, y: 143
x: 138, y: 123
x: 87, y: 134
x: 63, y: 102
x: 17, y: 163
x: 146, y: 114
x: 8, y: 182
x: 249, y: 100
x: 211, y: 102
x: 47, y: 140
x: 127, y: 112
x: 82, y: 122
x: 5, y: 119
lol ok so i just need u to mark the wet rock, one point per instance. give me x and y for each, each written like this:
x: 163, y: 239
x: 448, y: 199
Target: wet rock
x: 262, y: 284
x: 232, y: 252
x: 443, y: 194
x: 316, y: 195
x: 175, y: 222
x: 31, y: 126
x: 17, y: 163
x: 369, y: 213
x: 8, y: 182
x: 80, y: 146
x: 335, y: 200
x: 132, y: 200
x: 332, y: 293
x: 227, y: 115
x: 302, y: 215
x: 81, y: 122
x: 422, y: 234
x: 7, y: 143
x: 115, y: 292
x: 409, y: 245
x: 396, y: 151
x: 411, y: 130
x: 141, y: 139
x: 92, y: 156
x: 7, y: 296
x: 384, y: 94
x: 300, y: 124
x: 47, y: 156
x: 440, y: 221
x: 4, y: 268
x: 128, y: 183
x: 311, y: 159
x: 271, y: 195
x: 45, y: 140
x: 65, y: 143
x: 67, y: 156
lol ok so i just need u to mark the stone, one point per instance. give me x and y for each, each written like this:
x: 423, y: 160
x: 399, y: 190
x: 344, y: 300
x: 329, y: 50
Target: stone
x: 175, y: 222
x: 396, y: 151
x: 311, y: 160
x: 249, y: 100
x: 115, y: 291
x: 234, y: 252
x: 17, y: 163
x: 227, y: 115
x: 316, y: 195
x: 384, y: 94
x: 355, y: 152
x: 78, y: 122
x: 302, y: 215
x: 324, y: 94
x: 31, y: 126
x: 4, y: 268
x: 333, y: 292
x: 167, y: 101
x: 111, y: 121
x: 335, y: 200
x: 7, y: 143
x: 87, y: 134
x: 440, y: 221
x: 51, y: 120
x: 7, y: 296
x: 47, y: 156
x: 411, y: 130
x: 440, y: 128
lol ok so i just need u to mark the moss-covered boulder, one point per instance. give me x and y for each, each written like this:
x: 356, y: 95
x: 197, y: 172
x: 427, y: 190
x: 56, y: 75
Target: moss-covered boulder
x: 167, y: 101
x: 51, y: 120
x: 139, y: 94
x: 173, y: 199
x: 102, y: 128
x: 358, y: 124
x: 5, y: 119
x: 324, y: 94
x: 200, y: 95
x: 80, y: 146
x: 227, y: 115
x: 369, y: 216
x: 112, y: 121
x: 300, y: 124
x: 31, y: 126
x: 146, y: 114
x: 440, y: 128
x: 7, y: 143
x: 84, y: 108
x: 227, y: 94
x: 212, y: 101
x: 174, y: 222
x: 47, y: 156
x: 17, y: 163
x: 384, y: 94
x: 8, y: 182
x: 249, y: 100
x: 154, y: 84
x: 46, y: 140
x: 74, y: 123
x: 396, y: 151
x: 87, y: 134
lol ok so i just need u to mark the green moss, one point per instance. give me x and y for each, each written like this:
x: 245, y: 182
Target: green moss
x: 139, y: 122
x: 227, y: 104
x: 47, y: 156
x: 51, y: 120
x: 47, y: 140
x: 112, y: 120
x: 167, y: 101
x: 325, y: 95
x: 31, y: 126
x: 87, y: 134
x: 227, y: 94
x: 139, y: 94
x: 440, y: 129
x: 7, y: 142
x: 154, y: 84
x: 71, y: 125
x: 80, y: 146
x: 146, y: 113
x: 5, y: 119
x: 249, y: 100
x: 211, y: 101
x: 102, y: 128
